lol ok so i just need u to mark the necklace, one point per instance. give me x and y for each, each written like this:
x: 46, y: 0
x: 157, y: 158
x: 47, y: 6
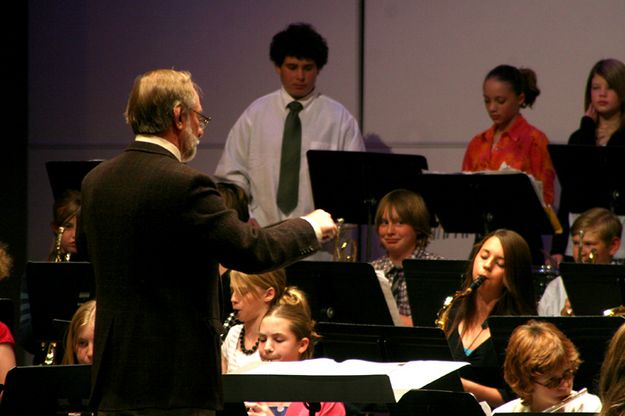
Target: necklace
x: 242, y: 342
x: 484, y: 326
x: 475, y: 339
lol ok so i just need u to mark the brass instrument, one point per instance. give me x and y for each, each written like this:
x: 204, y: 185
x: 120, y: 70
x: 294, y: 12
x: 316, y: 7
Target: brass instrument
x: 59, y: 256
x: 616, y: 311
x: 450, y: 301
x: 50, y: 352
x: 345, y: 248
x: 592, y: 256
x: 49, y: 349
x: 592, y: 259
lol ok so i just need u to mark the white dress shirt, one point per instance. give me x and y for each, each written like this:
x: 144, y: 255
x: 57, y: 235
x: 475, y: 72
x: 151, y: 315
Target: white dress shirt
x: 251, y: 158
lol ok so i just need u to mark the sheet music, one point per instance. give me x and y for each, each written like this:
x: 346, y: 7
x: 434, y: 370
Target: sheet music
x: 403, y: 376
x: 505, y: 169
x: 385, y: 284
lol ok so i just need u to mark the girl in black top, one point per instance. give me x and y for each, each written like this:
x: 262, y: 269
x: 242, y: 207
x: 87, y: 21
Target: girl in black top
x: 503, y: 259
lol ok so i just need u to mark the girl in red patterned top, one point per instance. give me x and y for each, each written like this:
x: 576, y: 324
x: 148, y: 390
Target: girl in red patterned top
x: 511, y: 141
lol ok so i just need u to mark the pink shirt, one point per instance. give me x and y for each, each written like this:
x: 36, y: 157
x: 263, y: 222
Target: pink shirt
x: 5, y: 335
x: 522, y: 147
x: 327, y: 409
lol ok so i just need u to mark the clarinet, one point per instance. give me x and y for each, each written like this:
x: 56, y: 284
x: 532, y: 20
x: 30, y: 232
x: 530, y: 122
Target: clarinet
x: 230, y: 321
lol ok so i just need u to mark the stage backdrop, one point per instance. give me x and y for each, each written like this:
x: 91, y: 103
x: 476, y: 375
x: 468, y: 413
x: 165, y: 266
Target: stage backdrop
x: 423, y: 65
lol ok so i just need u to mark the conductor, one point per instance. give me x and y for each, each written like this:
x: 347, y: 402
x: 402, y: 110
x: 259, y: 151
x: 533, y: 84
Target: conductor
x: 155, y: 230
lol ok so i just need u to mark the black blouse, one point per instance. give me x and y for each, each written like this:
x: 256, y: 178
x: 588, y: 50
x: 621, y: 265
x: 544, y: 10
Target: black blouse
x: 485, y: 367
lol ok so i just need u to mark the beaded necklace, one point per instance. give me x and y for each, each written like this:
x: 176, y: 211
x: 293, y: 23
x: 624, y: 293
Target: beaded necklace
x: 242, y: 342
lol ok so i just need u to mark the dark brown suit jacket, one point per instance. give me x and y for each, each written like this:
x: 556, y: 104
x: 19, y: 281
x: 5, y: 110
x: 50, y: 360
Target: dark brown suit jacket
x: 155, y: 230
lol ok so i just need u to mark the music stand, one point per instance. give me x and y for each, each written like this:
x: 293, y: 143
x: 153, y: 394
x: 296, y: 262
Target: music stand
x: 350, y: 184
x: 46, y: 390
x: 431, y: 402
x: 590, y: 334
x: 590, y: 176
x: 55, y: 290
x: 68, y: 174
x: 385, y: 343
x: 593, y: 288
x: 429, y: 283
x: 341, y: 291
x: 382, y: 343
x: 464, y: 203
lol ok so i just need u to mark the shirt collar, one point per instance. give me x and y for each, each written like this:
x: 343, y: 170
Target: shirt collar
x: 515, y: 131
x: 286, y: 98
x: 159, y: 141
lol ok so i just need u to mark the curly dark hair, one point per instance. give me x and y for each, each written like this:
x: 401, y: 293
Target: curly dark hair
x: 300, y: 40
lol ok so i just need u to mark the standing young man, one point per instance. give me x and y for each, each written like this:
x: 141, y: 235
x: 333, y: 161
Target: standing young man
x: 254, y: 150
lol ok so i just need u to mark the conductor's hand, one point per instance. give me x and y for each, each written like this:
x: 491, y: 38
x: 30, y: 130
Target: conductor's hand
x: 323, y: 224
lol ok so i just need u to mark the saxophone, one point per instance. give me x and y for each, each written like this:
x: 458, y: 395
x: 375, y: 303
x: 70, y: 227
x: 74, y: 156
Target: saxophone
x: 450, y: 301
x: 59, y: 256
x: 49, y: 349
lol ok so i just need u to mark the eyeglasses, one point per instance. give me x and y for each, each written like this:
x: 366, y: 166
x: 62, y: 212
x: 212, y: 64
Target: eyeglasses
x: 554, y: 382
x: 204, y: 120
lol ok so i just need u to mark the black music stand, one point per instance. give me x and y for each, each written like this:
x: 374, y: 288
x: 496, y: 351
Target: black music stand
x: 481, y: 202
x: 46, y: 390
x: 429, y: 283
x: 593, y: 288
x: 465, y: 202
x: 590, y: 176
x: 590, y: 334
x: 366, y: 388
x: 350, y: 184
x: 381, y: 343
x: 341, y: 291
x: 430, y: 402
x: 303, y: 388
x: 384, y: 343
x: 55, y: 291
x: 68, y: 174
x: 312, y: 390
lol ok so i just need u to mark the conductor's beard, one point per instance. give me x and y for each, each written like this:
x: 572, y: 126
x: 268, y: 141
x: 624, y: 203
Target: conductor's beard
x: 188, y: 144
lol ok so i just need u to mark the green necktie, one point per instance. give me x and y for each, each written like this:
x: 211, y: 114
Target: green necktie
x: 290, y: 159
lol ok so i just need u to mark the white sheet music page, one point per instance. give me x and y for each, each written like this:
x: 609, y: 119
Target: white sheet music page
x: 385, y: 284
x: 403, y: 376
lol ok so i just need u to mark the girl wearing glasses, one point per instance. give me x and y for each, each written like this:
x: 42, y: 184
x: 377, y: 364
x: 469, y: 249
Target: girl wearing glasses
x: 540, y: 367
